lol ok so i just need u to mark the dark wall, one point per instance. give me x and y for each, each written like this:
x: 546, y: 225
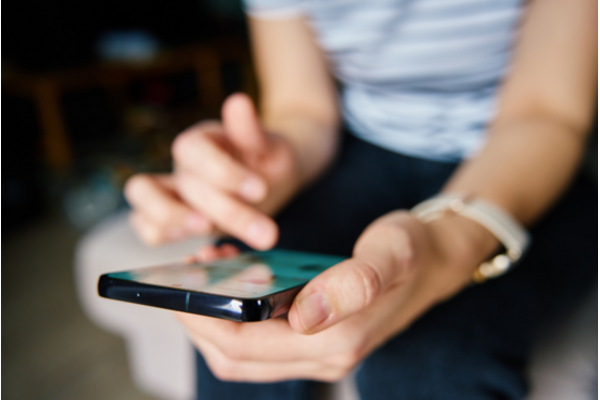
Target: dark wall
x: 50, y: 34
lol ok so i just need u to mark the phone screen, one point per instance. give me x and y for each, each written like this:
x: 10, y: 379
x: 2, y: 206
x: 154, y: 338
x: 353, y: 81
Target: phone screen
x: 250, y: 275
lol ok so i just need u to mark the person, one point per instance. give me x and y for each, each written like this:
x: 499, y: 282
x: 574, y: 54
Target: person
x: 490, y: 101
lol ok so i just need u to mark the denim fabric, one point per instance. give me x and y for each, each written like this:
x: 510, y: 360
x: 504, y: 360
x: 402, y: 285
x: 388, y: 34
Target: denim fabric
x: 474, y: 346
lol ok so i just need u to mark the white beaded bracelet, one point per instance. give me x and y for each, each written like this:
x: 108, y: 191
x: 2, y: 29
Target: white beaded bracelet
x: 505, y: 228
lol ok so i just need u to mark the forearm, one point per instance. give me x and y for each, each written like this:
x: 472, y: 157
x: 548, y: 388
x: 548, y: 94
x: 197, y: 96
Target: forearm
x: 544, y: 108
x: 315, y: 140
x: 524, y: 166
x: 298, y: 99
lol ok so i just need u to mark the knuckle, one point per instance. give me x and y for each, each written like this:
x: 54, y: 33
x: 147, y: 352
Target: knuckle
x: 147, y: 233
x: 228, y: 342
x: 236, y: 216
x: 352, y: 355
x: 179, y: 143
x: 222, y: 173
x: 402, y: 254
x: 233, y: 352
x: 152, y: 242
x: 150, y: 236
x: 348, y: 359
x: 165, y: 215
x: 209, y: 229
x: 333, y: 375
x: 187, y: 183
x: 405, y: 249
x: 136, y: 186
x: 185, y: 141
x: 369, y: 281
x: 232, y: 214
x: 344, y: 372
x: 385, y: 230
x: 224, y: 369
x: 342, y: 363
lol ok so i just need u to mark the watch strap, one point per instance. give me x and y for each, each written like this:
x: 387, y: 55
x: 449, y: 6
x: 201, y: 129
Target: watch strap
x: 503, y: 226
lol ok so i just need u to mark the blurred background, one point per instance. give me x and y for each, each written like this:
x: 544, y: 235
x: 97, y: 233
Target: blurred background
x: 92, y: 92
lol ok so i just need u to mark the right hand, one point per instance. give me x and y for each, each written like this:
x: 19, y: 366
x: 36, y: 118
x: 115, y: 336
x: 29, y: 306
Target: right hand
x: 230, y: 177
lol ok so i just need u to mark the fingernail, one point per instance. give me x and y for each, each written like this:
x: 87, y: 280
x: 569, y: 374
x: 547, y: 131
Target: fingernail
x: 196, y: 223
x: 313, y: 309
x: 258, y: 232
x: 252, y: 189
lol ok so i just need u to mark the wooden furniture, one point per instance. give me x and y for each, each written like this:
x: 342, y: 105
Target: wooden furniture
x: 45, y: 89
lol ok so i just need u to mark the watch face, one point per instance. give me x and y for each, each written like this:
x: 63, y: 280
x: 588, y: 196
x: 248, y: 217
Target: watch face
x: 250, y: 275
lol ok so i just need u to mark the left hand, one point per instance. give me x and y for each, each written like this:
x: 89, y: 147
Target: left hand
x: 399, y: 269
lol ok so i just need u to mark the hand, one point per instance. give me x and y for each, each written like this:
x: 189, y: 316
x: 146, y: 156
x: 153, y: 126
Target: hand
x: 159, y: 214
x: 399, y: 269
x: 229, y: 176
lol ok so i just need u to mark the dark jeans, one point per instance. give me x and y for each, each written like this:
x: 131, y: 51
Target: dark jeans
x: 474, y: 346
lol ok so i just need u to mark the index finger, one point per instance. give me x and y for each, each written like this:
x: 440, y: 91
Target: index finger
x: 198, y: 150
x: 230, y: 214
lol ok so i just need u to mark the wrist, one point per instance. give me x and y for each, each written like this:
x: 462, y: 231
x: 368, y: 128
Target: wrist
x: 496, y: 221
x: 463, y: 242
x: 313, y: 142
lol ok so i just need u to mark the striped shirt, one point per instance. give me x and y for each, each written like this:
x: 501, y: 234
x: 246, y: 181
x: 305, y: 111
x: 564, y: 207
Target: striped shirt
x: 420, y: 77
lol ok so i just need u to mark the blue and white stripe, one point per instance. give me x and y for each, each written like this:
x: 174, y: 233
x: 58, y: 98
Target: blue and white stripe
x: 420, y: 77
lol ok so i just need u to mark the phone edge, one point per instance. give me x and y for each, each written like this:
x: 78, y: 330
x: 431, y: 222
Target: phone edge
x: 206, y: 304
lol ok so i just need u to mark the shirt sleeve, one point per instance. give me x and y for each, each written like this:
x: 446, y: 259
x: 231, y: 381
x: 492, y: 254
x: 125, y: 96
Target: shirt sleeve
x: 273, y: 9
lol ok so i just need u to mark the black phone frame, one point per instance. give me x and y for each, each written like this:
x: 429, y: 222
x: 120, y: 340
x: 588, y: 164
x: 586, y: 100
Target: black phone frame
x: 201, y: 303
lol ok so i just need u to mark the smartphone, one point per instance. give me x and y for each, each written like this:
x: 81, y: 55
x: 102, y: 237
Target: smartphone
x: 253, y: 286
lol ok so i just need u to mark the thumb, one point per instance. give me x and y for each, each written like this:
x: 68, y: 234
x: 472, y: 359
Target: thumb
x: 335, y: 294
x: 339, y: 292
x: 382, y: 259
x: 242, y: 126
